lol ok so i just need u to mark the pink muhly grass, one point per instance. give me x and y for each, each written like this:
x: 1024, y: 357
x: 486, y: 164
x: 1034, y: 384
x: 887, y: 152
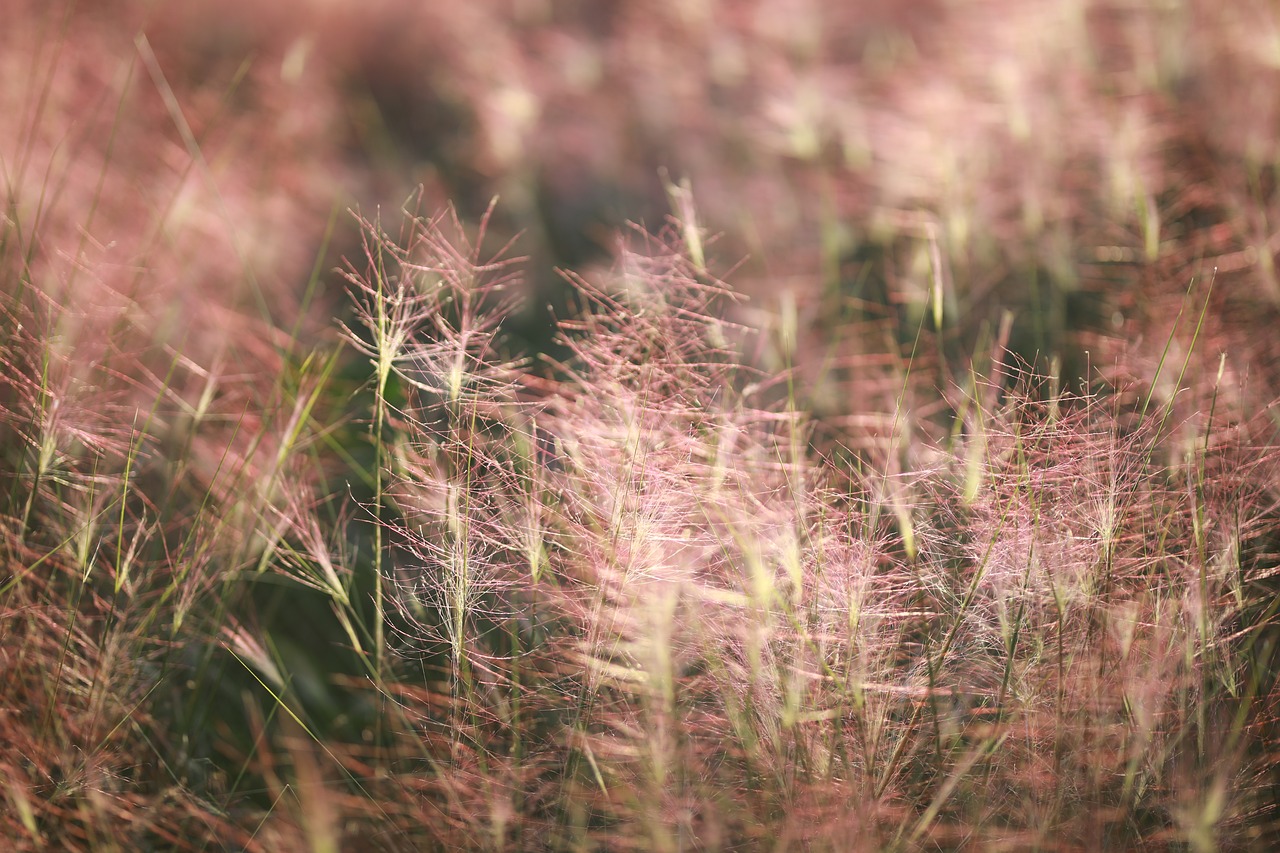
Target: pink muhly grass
x: 725, y: 636
x: 430, y: 311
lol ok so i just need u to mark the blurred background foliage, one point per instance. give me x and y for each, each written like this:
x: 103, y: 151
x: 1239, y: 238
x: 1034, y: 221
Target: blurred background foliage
x: 1077, y: 163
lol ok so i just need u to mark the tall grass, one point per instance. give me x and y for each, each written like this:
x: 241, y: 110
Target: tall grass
x: 625, y: 600
x: 846, y: 565
x: 631, y: 606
